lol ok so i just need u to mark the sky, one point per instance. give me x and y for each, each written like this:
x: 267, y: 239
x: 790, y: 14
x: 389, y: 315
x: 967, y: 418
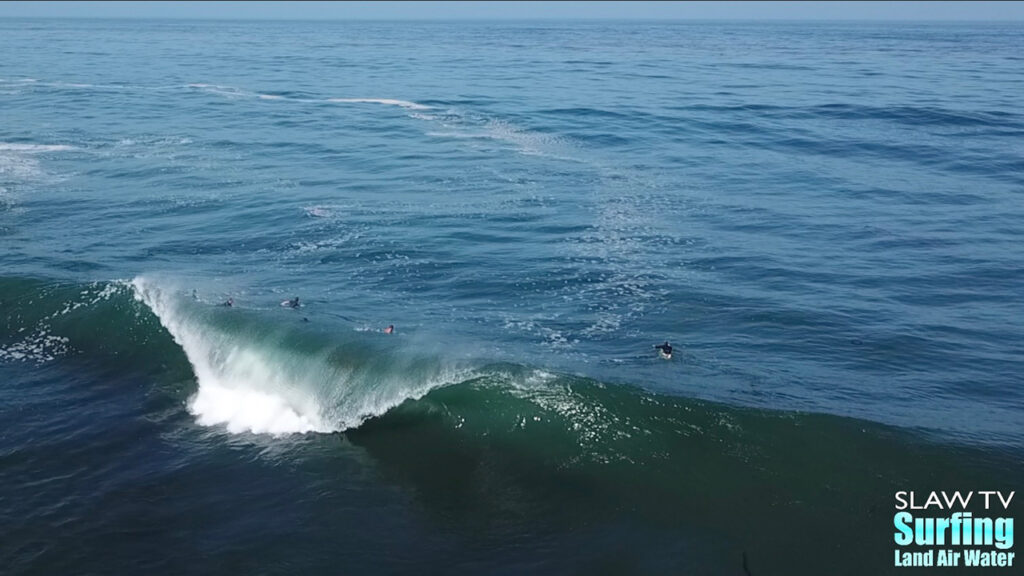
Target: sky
x: 921, y: 10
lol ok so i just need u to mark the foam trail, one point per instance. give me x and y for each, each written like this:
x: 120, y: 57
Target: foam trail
x: 229, y: 91
x: 30, y: 148
x: 234, y: 92
x: 318, y: 212
x: 18, y: 162
x: 388, y: 101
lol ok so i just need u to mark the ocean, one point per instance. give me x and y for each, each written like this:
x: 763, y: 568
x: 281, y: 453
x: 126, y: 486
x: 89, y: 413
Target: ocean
x: 824, y: 219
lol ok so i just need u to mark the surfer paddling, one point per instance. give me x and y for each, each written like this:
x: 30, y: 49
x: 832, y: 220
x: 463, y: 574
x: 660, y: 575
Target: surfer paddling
x: 228, y: 303
x: 664, y: 350
x: 293, y: 303
x: 389, y: 329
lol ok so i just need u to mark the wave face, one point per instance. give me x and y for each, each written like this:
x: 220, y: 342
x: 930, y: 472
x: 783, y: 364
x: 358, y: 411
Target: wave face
x: 259, y: 379
x: 252, y: 374
x: 528, y: 444
x: 491, y: 446
x: 247, y: 385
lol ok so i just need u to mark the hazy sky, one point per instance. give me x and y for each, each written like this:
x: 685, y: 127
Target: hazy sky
x: 998, y: 11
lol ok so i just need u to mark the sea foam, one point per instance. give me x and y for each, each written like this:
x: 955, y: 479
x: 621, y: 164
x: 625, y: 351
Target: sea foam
x: 387, y: 101
x: 250, y: 379
x: 239, y: 387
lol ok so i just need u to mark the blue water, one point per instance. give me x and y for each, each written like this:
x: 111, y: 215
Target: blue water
x: 824, y: 219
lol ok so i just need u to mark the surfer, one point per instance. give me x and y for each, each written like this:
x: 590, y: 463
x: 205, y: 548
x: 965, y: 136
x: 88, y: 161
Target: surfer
x: 293, y: 303
x: 389, y: 329
x: 665, y: 350
x: 229, y: 303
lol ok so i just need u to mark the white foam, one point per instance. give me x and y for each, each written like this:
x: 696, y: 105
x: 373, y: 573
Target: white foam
x: 18, y: 162
x: 553, y: 338
x: 593, y: 424
x: 528, y: 142
x: 318, y: 211
x: 39, y: 347
x: 91, y: 299
x: 17, y: 167
x: 239, y: 387
x: 235, y: 92
x: 31, y: 148
x: 243, y: 410
x: 606, y: 323
x: 150, y: 145
x: 215, y: 86
x: 229, y: 91
x: 387, y: 101
x: 253, y: 384
x: 461, y: 135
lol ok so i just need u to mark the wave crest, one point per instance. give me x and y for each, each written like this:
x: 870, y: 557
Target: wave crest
x: 265, y: 378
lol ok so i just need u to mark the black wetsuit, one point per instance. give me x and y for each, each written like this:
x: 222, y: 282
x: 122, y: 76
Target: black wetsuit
x: 665, y: 348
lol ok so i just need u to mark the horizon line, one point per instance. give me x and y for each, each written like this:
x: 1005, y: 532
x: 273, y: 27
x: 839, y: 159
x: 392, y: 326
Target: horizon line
x: 526, y: 19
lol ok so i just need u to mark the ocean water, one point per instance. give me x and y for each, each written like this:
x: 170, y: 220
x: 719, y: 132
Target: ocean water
x: 825, y: 219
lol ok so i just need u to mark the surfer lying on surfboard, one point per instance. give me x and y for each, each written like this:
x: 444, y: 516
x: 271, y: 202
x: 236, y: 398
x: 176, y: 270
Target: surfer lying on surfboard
x: 665, y: 350
x: 293, y: 303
